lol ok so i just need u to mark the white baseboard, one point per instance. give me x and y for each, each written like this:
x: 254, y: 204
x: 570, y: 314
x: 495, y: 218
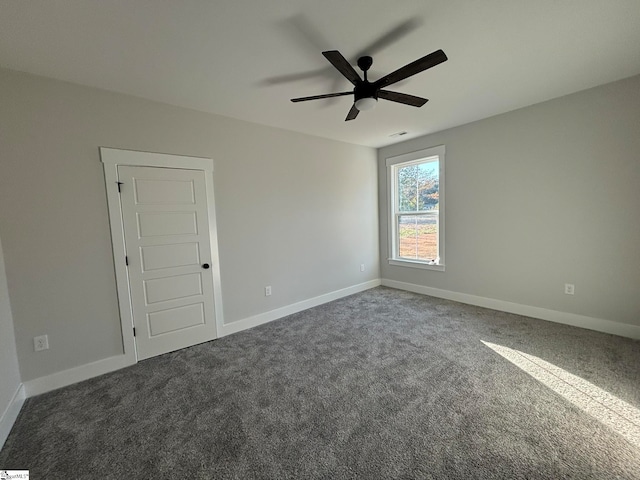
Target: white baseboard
x: 11, y: 413
x: 74, y: 375
x: 582, y: 321
x: 272, y: 315
x: 90, y: 370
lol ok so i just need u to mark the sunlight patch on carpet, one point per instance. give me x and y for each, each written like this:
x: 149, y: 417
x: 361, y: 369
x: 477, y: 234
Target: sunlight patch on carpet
x: 616, y: 414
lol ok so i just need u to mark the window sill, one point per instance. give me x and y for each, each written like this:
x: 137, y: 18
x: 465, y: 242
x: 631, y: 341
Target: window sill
x: 416, y: 264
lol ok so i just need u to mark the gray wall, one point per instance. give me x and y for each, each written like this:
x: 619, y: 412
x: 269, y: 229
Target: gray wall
x: 540, y: 197
x: 9, y: 372
x: 295, y: 212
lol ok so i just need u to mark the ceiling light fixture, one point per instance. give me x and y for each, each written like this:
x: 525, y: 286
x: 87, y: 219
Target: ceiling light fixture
x: 366, y: 103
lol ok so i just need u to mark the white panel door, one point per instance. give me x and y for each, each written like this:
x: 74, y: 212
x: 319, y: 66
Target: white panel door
x: 166, y: 229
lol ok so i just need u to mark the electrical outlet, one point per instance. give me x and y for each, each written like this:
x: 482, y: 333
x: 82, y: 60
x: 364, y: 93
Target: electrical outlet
x: 267, y: 291
x: 41, y: 343
x: 569, y: 288
x: 362, y: 267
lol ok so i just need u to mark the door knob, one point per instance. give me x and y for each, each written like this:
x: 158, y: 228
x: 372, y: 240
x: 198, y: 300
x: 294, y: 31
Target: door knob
x: 205, y: 265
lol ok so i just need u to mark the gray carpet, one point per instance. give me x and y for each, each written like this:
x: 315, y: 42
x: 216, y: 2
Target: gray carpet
x: 382, y: 384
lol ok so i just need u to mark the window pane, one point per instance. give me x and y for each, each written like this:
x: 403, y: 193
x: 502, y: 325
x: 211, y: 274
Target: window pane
x: 428, y: 186
x: 408, y: 188
x: 418, y: 187
x: 418, y: 237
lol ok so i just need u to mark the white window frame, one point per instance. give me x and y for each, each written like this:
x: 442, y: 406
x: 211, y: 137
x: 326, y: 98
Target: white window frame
x: 393, y: 164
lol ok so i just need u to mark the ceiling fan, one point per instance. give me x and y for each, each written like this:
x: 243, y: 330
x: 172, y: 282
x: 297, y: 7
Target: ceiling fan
x: 366, y: 93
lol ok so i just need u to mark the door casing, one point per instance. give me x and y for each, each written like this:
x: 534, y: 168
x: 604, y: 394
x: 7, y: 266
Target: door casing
x: 111, y: 158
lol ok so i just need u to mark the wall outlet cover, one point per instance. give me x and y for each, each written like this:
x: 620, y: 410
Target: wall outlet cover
x: 41, y: 343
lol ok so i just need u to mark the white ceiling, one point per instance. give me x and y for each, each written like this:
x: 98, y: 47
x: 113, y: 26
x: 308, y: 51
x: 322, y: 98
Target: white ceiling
x: 224, y: 56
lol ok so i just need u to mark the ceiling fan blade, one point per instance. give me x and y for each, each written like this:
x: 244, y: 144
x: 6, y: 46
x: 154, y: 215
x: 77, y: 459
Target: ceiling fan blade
x: 402, y: 98
x: 294, y: 77
x: 353, y: 113
x: 390, y: 37
x: 342, y: 65
x: 318, y: 97
x: 420, y: 65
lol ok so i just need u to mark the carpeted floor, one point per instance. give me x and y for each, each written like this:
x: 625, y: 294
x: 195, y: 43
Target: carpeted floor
x: 382, y: 384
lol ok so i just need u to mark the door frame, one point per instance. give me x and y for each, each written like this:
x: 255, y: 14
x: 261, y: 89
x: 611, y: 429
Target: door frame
x: 111, y: 158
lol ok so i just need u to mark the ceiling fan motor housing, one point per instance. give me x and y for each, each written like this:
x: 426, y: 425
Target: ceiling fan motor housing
x: 365, y: 89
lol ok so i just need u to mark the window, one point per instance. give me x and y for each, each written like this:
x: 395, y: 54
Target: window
x: 416, y: 210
